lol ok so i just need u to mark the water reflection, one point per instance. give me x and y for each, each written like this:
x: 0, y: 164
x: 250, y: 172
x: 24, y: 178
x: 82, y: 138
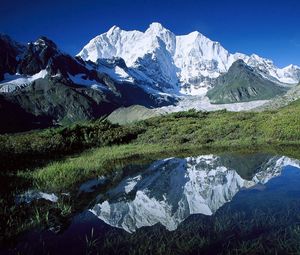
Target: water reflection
x: 172, y: 189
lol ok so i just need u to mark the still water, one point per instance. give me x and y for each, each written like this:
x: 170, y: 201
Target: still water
x: 206, y: 204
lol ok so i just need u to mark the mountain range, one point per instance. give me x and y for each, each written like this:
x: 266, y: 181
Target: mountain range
x: 40, y: 85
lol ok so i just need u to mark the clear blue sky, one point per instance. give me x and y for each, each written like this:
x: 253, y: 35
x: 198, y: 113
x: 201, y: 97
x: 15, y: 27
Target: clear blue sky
x: 269, y: 28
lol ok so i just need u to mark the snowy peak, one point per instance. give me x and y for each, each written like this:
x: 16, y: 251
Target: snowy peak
x: 291, y: 67
x: 113, y: 30
x: 148, y: 52
x: 197, y: 55
x: 192, y: 60
x: 155, y: 26
x: 43, y: 42
x: 156, y: 29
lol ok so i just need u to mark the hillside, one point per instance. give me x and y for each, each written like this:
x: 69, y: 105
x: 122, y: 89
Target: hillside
x: 280, y: 101
x: 131, y: 114
x: 241, y: 84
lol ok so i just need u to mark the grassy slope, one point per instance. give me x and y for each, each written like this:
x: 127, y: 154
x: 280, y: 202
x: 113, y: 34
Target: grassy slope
x: 241, y: 84
x: 161, y: 136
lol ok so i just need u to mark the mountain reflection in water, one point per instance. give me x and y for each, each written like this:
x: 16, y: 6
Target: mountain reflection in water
x: 170, y: 190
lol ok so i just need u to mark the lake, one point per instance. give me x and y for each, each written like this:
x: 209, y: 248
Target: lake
x: 206, y: 204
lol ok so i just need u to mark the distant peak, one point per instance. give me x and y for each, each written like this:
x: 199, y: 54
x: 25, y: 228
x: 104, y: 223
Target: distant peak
x: 44, y: 41
x: 113, y: 29
x: 292, y: 67
x: 156, y: 26
x: 238, y: 64
x: 255, y: 56
x: 194, y: 34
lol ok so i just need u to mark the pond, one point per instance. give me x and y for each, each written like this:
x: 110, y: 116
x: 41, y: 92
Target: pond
x: 206, y: 204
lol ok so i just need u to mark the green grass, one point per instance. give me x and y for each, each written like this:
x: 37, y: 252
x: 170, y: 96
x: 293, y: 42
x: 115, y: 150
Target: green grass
x: 69, y: 171
x: 159, y: 136
x: 73, y: 170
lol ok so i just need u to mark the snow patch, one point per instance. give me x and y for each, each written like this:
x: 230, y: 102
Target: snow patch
x: 32, y: 195
x: 79, y: 79
x: 13, y: 82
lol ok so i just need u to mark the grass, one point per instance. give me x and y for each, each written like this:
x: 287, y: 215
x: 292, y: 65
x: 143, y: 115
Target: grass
x: 66, y: 174
x: 166, y: 136
x: 91, y: 243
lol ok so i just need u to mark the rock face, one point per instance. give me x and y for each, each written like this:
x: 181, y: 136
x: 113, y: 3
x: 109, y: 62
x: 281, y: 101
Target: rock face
x: 59, y: 103
x: 242, y: 83
x: 172, y: 189
x: 10, y: 51
x: 54, y: 88
x: 188, y: 63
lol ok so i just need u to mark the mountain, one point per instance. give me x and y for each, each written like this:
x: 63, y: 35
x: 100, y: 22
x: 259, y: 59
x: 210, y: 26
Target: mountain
x: 188, y: 63
x: 243, y: 83
x: 52, y: 87
x: 170, y: 190
x: 121, y: 68
x: 145, y: 52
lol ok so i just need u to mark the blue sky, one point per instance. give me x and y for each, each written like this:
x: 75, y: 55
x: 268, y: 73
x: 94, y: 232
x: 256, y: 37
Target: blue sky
x: 269, y: 28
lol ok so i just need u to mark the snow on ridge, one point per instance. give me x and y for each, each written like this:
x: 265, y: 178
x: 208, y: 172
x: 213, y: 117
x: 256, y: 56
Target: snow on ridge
x: 13, y: 82
x: 79, y: 79
x: 31, y: 195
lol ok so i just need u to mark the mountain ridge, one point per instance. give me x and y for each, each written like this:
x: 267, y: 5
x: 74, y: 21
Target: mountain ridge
x: 196, y: 58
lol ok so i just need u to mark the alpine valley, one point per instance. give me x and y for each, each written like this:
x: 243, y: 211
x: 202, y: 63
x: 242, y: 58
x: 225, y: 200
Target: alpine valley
x: 41, y: 86
x: 146, y: 142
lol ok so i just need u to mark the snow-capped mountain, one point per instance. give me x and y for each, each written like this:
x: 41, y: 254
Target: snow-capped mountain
x: 172, y: 189
x: 149, y: 52
x: 122, y: 68
x: 41, y: 86
x: 186, y: 62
